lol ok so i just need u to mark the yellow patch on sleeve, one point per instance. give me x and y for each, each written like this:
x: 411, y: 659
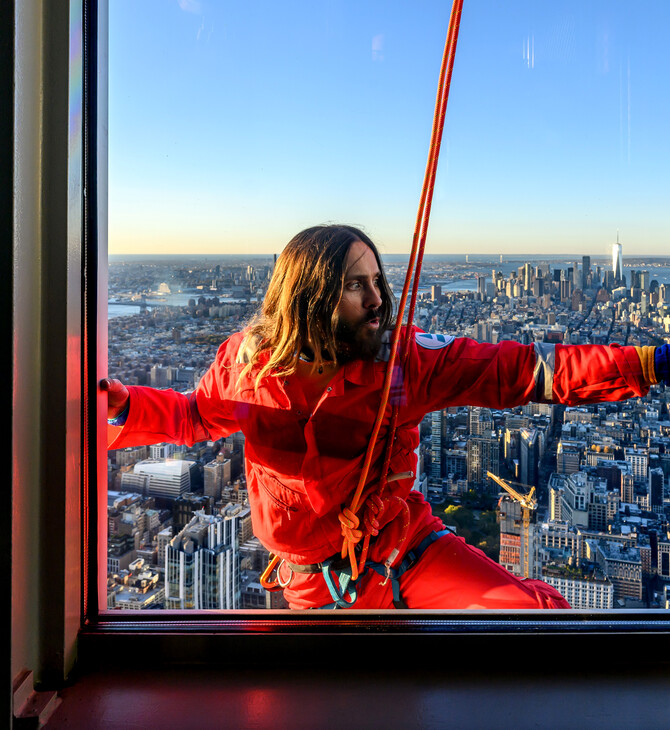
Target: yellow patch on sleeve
x: 646, y: 355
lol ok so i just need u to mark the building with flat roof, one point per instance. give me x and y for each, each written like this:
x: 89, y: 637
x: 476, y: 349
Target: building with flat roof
x: 167, y: 479
x: 582, y: 591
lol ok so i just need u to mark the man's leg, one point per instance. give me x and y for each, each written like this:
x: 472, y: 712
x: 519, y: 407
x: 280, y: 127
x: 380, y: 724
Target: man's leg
x: 453, y: 574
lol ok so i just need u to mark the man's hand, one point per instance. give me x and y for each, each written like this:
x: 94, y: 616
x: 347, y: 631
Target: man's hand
x: 117, y: 396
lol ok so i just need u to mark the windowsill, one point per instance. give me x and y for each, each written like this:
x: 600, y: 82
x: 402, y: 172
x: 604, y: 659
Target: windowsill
x: 284, y: 638
x: 389, y: 690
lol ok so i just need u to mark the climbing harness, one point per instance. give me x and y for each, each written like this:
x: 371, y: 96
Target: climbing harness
x: 337, y: 574
x: 375, y: 504
x: 343, y: 592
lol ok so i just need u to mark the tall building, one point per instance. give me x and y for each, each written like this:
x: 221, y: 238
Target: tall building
x: 656, y: 480
x: 436, y: 448
x: 555, y: 499
x: 569, y: 498
x: 627, y: 488
x: 565, y: 289
x: 202, y: 563
x: 568, y: 456
x: 576, y: 276
x: 456, y: 463
x: 511, y: 447
x: 514, y: 552
x: 638, y: 458
x: 480, y: 421
x: 617, y: 261
x: 481, y: 288
x: 217, y: 474
x: 529, y: 456
x: 586, y: 271
x: 483, y: 456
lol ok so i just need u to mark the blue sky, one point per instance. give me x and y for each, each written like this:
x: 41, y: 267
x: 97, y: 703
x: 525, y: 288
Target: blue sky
x: 234, y: 125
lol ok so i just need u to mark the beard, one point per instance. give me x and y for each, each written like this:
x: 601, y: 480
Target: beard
x: 357, y: 341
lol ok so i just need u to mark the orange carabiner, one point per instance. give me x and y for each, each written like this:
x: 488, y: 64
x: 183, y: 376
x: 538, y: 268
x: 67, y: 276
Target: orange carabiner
x: 265, y: 581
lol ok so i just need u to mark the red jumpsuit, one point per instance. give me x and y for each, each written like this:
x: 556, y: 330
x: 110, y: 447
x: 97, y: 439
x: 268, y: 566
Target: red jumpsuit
x: 303, y: 467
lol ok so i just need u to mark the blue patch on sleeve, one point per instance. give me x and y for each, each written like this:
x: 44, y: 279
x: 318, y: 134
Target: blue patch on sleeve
x: 433, y: 342
x: 662, y: 363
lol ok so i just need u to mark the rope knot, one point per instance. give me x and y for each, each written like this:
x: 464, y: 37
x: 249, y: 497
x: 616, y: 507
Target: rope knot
x: 349, y: 523
x: 375, y: 507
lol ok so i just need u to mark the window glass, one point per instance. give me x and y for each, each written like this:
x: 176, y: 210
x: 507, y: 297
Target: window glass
x: 234, y: 126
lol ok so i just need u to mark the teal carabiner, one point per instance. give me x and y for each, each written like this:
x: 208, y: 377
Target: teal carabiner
x: 345, y: 595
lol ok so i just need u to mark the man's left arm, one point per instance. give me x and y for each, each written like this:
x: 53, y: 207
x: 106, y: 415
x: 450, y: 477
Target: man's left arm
x: 446, y: 371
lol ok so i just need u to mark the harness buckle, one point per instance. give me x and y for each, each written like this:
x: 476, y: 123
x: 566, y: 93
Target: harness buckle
x: 387, y: 565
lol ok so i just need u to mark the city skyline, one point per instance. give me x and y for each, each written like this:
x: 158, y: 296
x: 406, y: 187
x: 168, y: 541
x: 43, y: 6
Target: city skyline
x: 179, y: 517
x: 228, y: 133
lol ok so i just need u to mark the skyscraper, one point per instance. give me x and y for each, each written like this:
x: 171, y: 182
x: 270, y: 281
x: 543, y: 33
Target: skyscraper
x: 586, y: 270
x: 528, y: 456
x: 202, y: 563
x: 656, y: 481
x: 644, y: 280
x: 483, y: 456
x: 436, y: 448
x: 617, y: 261
x: 481, y: 288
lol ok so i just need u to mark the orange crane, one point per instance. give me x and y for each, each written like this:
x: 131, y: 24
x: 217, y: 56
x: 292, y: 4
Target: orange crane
x: 528, y: 504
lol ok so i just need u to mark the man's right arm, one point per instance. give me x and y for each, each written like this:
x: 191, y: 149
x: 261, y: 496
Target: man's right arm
x: 157, y: 416
x: 142, y: 416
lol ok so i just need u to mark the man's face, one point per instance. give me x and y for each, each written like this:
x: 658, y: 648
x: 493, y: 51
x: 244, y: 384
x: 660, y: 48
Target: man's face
x: 358, y: 312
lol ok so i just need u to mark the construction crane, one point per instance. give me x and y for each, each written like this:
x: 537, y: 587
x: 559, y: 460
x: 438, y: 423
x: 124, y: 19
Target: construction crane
x: 528, y: 504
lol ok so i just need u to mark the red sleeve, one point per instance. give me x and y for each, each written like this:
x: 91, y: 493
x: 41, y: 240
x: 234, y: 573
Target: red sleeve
x: 596, y: 373
x: 466, y: 372
x: 165, y: 416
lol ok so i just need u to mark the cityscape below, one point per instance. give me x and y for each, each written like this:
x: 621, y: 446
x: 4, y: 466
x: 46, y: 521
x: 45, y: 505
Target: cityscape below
x: 576, y: 496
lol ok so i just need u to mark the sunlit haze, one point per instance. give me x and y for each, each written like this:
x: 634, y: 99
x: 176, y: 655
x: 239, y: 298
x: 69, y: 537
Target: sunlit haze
x: 232, y: 126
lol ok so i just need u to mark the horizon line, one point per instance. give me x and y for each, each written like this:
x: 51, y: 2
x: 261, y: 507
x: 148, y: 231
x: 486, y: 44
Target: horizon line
x: 386, y: 253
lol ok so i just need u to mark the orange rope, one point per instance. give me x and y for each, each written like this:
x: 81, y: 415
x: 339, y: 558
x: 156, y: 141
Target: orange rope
x: 349, y: 518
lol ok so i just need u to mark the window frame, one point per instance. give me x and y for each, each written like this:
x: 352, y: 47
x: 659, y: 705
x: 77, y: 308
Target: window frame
x: 271, y: 635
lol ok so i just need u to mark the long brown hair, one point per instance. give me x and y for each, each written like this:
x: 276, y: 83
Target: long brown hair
x: 298, y: 311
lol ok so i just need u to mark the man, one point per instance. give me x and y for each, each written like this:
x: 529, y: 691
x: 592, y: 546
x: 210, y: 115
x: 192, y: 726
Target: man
x: 303, y: 384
